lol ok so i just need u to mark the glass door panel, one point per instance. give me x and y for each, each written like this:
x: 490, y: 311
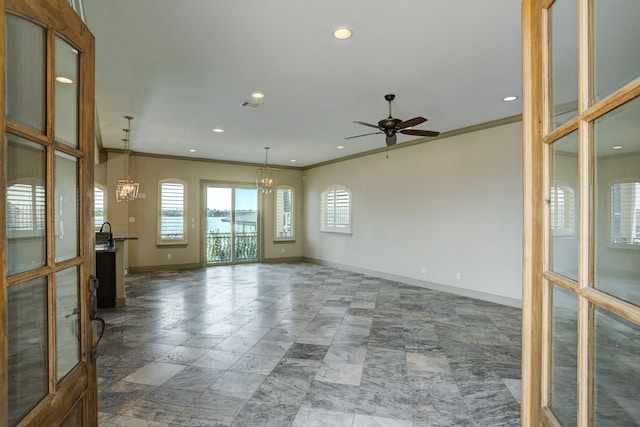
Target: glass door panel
x: 26, y: 72
x: 617, y: 370
x: 617, y: 37
x: 563, y: 206
x: 581, y: 68
x: 28, y: 354
x: 564, y: 65
x: 218, y: 225
x: 66, y: 207
x: 617, y: 213
x: 47, y: 140
x: 231, y: 231
x: 246, y: 224
x: 25, y: 202
x: 67, y: 321
x: 564, y: 351
x: 66, y: 93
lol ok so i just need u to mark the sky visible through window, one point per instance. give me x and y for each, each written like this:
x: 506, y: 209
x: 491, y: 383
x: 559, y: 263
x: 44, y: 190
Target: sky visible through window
x: 220, y: 198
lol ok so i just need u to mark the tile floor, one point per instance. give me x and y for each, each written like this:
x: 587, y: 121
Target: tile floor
x: 304, y: 345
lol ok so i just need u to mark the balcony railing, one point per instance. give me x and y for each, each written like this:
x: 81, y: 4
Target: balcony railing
x: 219, y: 247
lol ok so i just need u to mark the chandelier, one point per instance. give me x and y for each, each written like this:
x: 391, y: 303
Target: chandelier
x: 266, y: 177
x: 127, y: 189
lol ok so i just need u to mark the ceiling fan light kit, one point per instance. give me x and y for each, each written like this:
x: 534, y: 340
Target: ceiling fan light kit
x: 391, y: 126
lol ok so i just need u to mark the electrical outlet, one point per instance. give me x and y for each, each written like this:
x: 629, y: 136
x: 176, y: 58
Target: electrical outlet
x: 458, y: 275
x: 168, y: 256
x: 424, y: 270
x: 282, y: 250
x: 132, y: 219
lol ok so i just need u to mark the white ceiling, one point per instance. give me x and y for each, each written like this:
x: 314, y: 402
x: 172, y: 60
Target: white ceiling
x: 182, y: 68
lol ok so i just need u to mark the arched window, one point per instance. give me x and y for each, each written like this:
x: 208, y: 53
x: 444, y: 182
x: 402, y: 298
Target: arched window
x: 172, y: 212
x: 285, y: 213
x: 335, y: 209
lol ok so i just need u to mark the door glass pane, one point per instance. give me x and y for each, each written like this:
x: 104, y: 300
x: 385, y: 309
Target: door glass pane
x: 26, y: 73
x: 67, y: 321
x: 218, y: 225
x: 563, y: 206
x: 246, y: 221
x: 564, y: 356
x: 617, y: 213
x: 563, y: 33
x: 617, y: 371
x: 27, y: 333
x: 66, y: 206
x: 617, y: 38
x: 66, y: 93
x: 25, y: 205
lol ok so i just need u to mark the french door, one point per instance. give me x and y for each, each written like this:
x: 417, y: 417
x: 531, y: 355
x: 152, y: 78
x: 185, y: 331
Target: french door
x: 47, y: 373
x: 231, y: 224
x: 581, y: 294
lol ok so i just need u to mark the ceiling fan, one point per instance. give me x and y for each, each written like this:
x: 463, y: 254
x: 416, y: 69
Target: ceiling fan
x: 391, y: 126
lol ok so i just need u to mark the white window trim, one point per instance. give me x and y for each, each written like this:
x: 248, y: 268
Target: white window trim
x: 160, y: 240
x: 327, y: 225
x: 292, y: 237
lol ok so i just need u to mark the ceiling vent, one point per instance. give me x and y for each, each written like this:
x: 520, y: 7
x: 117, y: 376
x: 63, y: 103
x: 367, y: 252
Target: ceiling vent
x: 249, y: 104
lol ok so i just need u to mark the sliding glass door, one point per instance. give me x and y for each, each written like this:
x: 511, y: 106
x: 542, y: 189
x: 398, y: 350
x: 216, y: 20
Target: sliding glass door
x: 231, y: 231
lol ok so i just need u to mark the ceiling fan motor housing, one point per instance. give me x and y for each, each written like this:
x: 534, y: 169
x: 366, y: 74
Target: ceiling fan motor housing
x: 388, y: 125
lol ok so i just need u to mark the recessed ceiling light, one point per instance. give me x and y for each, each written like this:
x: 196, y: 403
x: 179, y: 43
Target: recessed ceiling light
x: 617, y: 147
x: 64, y: 80
x: 293, y: 160
x: 257, y: 95
x: 342, y: 33
x: 218, y: 130
x: 340, y: 147
x: 509, y: 98
x: 192, y: 150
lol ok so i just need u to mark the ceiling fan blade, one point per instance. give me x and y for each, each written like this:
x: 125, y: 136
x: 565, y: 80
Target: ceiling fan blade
x: 366, y: 134
x: 391, y: 140
x: 418, y: 132
x: 367, y: 124
x: 411, y: 122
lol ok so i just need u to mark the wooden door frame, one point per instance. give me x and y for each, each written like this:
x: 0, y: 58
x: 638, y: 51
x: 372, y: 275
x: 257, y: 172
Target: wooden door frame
x: 533, y: 232
x: 537, y: 140
x: 81, y: 382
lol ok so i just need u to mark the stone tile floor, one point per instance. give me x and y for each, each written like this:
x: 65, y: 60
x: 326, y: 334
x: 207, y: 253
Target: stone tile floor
x: 304, y: 345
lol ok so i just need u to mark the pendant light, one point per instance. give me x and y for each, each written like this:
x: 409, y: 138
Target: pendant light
x: 127, y: 189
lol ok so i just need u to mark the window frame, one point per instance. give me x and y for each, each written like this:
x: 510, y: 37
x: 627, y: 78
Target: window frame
x: 610, y: 241
x: 331, y: 226
x: 104, y: 205
x: 159, y: 239
x: 569, y: 210
x: 38, y: 225
x: 278, y: 222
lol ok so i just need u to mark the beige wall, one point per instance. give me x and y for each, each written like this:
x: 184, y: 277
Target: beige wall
x: 144, y: 253
x: 430, y: 211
